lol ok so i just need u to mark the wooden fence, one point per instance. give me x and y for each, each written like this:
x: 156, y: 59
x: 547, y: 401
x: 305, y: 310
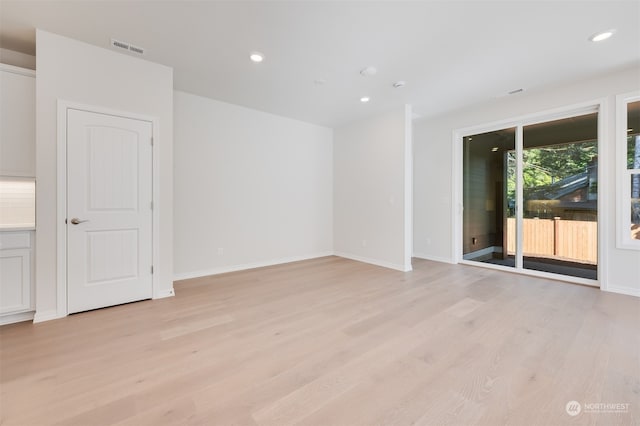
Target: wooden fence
x: 571, y: 240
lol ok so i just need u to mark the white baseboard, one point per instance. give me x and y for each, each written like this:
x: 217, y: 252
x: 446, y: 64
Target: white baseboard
x: 161, y: 294
x: 245, y: 266
x: 376, y: 262
x: 19, y: 317
x: 624, y: 290
x: 46, y: 316
x: 434, y: 258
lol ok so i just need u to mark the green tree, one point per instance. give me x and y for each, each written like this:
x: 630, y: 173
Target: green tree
x: 563, y: 160
x: 548, y: 164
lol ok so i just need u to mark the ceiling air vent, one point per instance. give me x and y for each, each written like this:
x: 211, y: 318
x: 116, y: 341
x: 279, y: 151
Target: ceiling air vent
x: 136, y: 49
x: 126, y: 46
x: 119, y: 44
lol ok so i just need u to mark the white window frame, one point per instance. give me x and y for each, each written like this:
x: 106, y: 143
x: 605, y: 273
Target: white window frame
x: 623, y: 187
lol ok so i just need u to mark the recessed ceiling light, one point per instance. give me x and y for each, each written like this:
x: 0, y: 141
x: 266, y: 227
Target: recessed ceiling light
x: 399, y: 84
x: 494, y: 149
x: 470, y: 138
x: 602, y: 35
x: 256, y: 57
x: 364, y: 99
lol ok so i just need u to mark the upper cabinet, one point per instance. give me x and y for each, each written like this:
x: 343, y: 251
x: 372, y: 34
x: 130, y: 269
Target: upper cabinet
x: 17, y: 121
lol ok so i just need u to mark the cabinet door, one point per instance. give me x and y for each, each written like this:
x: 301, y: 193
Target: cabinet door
x: 17, y: 124
x: 15, y: 280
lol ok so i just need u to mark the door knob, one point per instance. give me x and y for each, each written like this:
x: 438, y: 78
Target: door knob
x: 76, y: 221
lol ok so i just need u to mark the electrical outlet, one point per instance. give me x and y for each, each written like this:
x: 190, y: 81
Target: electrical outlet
x: 220, y: 251
x: 428, y: 241
x: 364, y: 243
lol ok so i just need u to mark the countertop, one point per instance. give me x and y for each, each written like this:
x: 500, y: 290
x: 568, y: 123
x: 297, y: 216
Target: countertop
x: 17, y: 228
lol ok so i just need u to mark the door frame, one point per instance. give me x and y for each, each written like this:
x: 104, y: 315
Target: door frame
x: 604, y: 151
x: 61, y: 240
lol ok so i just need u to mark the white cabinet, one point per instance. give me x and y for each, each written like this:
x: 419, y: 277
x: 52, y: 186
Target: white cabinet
x: 17, y: 159
x: 17, y: 121
x: 16, y: 276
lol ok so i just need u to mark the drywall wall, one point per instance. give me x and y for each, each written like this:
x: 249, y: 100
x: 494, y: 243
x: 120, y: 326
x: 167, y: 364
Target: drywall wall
x: 434, y: 216
x: 251, y: 188
x: 372, y: 190
x: 77, y: 72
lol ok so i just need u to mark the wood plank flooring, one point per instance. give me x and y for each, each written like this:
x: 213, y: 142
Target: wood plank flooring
x: 332, y: 341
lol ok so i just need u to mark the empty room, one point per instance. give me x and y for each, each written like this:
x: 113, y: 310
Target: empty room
x: 327, y: 213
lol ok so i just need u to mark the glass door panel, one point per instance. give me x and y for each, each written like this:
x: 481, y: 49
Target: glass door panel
x: 489, y: 196
x: 560, y: 196
x: 633, y: 166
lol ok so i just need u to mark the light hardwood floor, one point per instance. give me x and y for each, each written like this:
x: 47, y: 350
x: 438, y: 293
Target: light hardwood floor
x: 331, y: 341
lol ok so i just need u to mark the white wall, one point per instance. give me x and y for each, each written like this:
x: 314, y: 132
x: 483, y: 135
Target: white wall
x: 372, y: 190
x: 433, y: 150
x: 256, y: 185
x: 78, y: 72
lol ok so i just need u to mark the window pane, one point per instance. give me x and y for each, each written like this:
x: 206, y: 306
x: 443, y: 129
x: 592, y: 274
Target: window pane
x: 17, y: 203
x: 635, y: 206
x: 633, y: 135
x: 560, y: 193
x: 489, y: 197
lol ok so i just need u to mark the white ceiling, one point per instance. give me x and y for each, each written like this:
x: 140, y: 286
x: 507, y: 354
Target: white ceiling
x: 451, y: 53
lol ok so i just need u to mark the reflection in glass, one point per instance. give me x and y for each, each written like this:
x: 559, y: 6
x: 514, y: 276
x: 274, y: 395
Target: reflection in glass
x: 635, y: 206
x: 633, y: 164
x: 489, y: 197
x: 633, y: 135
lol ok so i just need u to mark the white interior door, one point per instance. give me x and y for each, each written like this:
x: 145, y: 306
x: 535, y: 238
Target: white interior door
x: 109, y: 210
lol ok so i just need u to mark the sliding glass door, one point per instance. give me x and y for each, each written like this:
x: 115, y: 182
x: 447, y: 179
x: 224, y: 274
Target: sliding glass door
x: 530, y: 196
